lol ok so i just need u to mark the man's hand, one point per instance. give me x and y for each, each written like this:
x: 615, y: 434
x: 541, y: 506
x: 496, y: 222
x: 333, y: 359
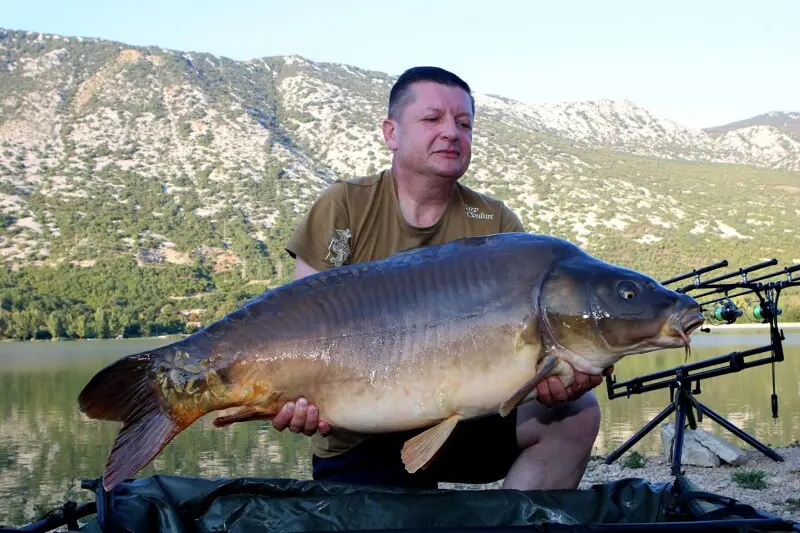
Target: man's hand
x: 552, y: 391
x: 300, y: 417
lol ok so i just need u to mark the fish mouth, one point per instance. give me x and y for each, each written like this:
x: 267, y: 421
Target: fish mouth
x: 690, y: 320
x: 684, y: 324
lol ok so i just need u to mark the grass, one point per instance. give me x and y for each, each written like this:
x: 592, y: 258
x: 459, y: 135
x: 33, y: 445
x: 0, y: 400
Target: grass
x: 750, y: 479
x: 634, y: 460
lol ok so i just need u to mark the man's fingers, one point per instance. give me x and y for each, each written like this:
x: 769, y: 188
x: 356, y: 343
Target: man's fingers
x: 582, y: 382
x: 281, y: 420
x: 300, y: 417
x: 552, y: 391
x: 298, y: 422
x: 557, y: 391
x: 311, y: 420
x: 543, y: 395
x: 324, y: 428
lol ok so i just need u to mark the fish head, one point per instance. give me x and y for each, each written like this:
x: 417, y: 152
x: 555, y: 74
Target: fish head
x: 596, y: 313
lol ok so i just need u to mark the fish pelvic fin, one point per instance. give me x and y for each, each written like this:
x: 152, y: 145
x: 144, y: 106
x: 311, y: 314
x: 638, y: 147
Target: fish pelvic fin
x: 546, y: 368
x: 245, y: 414
x: 126, y: 391
x: 418, y: 452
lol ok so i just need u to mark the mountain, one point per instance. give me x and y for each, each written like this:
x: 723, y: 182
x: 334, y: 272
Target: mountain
x: 142, y: 160
x: 623, y: 126
x: 788, y: 123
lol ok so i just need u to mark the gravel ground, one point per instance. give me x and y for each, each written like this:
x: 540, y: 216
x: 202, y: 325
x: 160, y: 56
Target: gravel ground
x: 780, y: 497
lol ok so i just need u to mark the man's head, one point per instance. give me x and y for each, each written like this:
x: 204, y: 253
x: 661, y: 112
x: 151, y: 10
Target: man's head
x: 429, y: 123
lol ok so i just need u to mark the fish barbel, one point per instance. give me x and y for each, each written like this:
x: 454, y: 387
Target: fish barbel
x: 422, y: 339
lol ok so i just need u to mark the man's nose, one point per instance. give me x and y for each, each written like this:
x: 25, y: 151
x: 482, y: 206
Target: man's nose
x: 450, y: 129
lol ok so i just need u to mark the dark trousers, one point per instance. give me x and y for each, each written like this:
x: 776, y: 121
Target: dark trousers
x: 478, y: 451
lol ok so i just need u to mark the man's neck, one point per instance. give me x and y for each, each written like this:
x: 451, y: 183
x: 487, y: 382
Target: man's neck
x: 422, y: 199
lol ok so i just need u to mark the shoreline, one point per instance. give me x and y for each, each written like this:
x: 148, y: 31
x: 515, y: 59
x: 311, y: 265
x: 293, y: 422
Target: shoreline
x: 95, y: 339
x: 780, y: 497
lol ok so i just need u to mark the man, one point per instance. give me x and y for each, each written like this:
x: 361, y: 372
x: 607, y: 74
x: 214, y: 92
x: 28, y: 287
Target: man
x: 544, y: 444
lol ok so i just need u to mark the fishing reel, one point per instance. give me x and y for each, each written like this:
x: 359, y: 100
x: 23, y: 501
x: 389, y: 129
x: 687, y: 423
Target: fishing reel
x: 726, y: 313
x: 764, y: 313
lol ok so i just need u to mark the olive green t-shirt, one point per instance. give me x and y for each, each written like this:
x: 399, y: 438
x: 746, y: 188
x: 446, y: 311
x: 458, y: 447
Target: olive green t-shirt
x: 359, y: 220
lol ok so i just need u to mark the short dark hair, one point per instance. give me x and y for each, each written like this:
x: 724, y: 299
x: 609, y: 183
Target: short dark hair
x: 400, y: 94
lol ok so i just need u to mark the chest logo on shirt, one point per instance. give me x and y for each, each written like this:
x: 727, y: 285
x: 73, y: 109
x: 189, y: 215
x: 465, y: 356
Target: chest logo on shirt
x: 474, y: 212
x: 339, y: 247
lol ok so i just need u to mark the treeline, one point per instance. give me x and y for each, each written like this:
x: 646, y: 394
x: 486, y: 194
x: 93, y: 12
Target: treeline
x: 120, y: 296
x: 115, y: 298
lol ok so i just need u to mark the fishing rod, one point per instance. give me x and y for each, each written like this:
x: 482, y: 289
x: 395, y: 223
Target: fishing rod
x: 766, y: 292
x: 741, y: 272
x: 696, y: 273
x: 728, y: 312
x: 785, y: 270
x: 684, y: 381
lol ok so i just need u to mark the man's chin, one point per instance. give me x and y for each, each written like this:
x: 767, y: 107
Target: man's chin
x: 452, y: 171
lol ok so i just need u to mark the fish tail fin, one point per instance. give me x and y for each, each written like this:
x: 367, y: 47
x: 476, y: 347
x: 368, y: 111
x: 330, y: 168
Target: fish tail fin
x: 126, y: 391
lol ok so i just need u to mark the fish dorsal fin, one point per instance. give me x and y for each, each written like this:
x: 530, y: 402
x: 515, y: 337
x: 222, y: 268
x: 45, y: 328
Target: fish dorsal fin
x: 419, y: 451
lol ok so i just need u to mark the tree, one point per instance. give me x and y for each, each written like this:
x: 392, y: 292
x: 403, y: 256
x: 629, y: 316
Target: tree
x: 55, y: 324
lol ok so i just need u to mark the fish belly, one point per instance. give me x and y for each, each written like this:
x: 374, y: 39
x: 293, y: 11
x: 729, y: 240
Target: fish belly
x: 469, y: 384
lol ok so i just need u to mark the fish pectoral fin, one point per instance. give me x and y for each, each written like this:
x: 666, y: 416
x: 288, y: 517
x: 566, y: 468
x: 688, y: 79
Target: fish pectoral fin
x: 244, y: 414
x: 545, y: 369
x: 419, y: 451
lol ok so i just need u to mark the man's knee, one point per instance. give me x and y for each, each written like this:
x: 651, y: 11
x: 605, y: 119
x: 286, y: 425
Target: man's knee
x: 576, y: 422
x: 585, y: 424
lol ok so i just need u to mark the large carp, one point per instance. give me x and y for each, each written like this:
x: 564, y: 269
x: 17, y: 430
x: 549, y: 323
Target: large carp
x: 424, y: 338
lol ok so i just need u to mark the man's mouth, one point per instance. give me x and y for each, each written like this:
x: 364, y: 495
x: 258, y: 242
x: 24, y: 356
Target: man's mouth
x: 448, y: 153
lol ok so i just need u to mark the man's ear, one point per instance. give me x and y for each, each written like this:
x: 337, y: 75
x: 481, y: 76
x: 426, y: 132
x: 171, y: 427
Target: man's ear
x: 389, y: 128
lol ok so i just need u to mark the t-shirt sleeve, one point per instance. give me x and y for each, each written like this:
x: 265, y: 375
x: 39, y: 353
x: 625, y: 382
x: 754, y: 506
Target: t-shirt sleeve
x: 509, y: 221
x: 311, y: 239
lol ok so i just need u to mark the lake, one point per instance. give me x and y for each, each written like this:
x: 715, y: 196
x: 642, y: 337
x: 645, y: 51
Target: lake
x: 47, y: 447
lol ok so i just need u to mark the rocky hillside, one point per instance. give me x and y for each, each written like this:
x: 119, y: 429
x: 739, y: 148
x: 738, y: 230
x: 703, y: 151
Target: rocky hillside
x: 788, y: 123
x: 176, y: 157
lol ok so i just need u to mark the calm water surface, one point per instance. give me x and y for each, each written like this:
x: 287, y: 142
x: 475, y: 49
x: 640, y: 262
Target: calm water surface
x: 47, y: 447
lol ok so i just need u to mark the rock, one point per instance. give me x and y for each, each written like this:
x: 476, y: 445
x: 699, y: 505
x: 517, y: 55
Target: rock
x: 693, y: 452
x: 721, y: 447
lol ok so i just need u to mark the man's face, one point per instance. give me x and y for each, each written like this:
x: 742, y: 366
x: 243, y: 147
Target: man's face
x: 434, y: 132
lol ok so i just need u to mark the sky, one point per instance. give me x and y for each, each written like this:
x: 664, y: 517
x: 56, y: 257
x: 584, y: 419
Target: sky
x: 699, y: 63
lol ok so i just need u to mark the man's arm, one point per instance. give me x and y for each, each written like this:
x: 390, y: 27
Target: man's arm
x: 301, y: 269
x: 301, y: 416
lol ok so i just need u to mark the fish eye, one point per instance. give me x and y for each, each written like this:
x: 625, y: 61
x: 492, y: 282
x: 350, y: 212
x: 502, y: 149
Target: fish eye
x: 627, y: 290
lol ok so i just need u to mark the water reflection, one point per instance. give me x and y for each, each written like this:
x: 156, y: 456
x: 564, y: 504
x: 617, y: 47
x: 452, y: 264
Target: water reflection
x: 47, y: 447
